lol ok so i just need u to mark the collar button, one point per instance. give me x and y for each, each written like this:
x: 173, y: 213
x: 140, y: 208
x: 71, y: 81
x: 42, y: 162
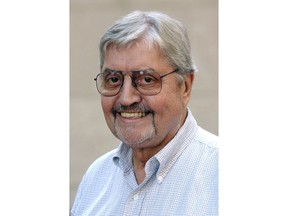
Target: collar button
x: 159, y: 179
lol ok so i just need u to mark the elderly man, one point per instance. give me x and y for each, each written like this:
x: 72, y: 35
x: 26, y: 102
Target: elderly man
x: 166, y: 164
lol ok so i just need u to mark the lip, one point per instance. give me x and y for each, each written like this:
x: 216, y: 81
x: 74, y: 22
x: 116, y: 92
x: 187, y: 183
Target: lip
x: 132, y: 116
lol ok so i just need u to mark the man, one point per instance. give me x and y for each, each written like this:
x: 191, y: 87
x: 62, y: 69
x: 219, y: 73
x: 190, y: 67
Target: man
x: 166, y: 164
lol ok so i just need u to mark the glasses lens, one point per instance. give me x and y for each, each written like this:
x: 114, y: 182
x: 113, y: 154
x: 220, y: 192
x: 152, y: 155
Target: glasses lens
x: 147, y: 82
x: 109, y: 83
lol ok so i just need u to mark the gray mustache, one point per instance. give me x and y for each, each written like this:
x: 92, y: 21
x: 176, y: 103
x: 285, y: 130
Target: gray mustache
x: 132, y: 108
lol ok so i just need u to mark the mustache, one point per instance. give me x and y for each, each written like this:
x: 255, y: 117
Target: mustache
x: 136, y: 107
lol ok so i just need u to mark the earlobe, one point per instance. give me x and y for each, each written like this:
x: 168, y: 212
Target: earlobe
x: 188, y: 82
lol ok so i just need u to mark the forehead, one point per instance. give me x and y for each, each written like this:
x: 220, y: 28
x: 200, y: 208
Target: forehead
x: 135, y: 47
x: 141, y: 43
x: 135, y: 56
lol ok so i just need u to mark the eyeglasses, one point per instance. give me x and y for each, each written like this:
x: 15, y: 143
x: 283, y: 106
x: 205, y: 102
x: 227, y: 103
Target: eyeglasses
x: 147, y: 82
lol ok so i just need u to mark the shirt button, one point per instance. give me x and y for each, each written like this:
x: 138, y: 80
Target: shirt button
x: 159, y: 179
x: 136, y: 197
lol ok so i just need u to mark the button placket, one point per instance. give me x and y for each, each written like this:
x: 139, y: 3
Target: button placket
x: 136, y: 197
x: 159, y: 179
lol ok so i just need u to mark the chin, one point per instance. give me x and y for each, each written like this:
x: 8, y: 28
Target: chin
x: 138, y: 141
x: 135, y: 137
x: 142, y: 145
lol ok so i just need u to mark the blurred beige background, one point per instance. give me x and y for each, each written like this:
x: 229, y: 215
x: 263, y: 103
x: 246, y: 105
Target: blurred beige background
x: 89, y: 135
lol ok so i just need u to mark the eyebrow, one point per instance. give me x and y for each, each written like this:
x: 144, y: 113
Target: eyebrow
x: 108, y: 70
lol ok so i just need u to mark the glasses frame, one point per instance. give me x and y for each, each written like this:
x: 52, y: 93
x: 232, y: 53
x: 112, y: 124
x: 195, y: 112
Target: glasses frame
x: 133, y: 82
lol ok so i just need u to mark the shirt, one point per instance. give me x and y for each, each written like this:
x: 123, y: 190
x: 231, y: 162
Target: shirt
x: 181, y: 179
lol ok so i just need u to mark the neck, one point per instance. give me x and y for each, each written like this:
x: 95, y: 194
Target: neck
x: 141, y: 155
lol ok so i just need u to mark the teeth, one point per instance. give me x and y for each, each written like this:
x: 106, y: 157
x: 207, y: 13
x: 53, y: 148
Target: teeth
x: 132, y: 115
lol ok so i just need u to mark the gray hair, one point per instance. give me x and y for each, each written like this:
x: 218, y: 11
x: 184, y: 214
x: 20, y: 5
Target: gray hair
x: 156, y: 29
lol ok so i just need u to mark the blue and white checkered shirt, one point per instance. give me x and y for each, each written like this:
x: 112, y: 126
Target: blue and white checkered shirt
x: 181, y: 179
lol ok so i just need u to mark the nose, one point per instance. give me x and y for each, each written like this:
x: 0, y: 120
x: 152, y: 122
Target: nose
x: 128, y: 94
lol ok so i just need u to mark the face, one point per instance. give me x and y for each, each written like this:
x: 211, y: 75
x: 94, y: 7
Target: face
x: 145, y: 121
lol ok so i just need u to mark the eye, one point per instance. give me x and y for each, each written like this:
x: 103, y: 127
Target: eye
x: 113, y: 80
x: 146, y: 80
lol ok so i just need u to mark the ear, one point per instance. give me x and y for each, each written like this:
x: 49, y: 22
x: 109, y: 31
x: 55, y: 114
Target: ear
x: 187, y: 87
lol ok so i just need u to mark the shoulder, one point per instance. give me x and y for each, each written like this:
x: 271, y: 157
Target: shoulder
x: 93, y: 181
x: 97, y: 173
x: 102, y: 164
x: 206, y: 138
x: 206, y: 146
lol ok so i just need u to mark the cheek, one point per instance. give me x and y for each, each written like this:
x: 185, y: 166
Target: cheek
x: 107, y: 105
x: 170, y: 106
x: 168, y: 110
x: 170, y: 101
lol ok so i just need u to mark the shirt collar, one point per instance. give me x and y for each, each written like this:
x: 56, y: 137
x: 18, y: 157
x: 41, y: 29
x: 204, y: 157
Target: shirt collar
x: 171, y: 152
x: 164, y: 159
x: 123, y: 157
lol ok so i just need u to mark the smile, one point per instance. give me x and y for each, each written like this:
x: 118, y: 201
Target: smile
x: 133, y: 115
